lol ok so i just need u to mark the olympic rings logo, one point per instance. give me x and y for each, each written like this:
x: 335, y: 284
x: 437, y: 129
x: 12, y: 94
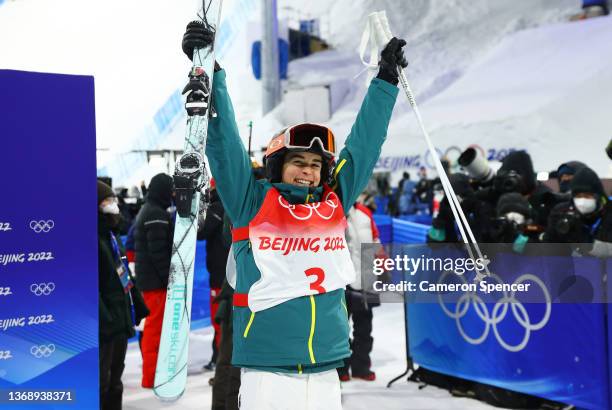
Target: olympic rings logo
x: 40, y: 289
x: 42, y: 350
x: 451, y: 154
x: 330, y: 199
x: 500, y: 310
x: 42, y: 225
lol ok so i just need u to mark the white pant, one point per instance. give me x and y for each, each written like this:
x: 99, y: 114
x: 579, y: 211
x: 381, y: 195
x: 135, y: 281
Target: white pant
x: 261, y: 390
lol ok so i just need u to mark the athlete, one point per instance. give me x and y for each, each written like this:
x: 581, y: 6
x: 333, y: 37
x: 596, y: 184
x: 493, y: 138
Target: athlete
x: 290, y: 320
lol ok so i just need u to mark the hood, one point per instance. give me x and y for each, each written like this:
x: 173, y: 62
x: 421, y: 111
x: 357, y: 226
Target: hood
x: 160, y: 190
x: 513, y: 202
x: 461, y: 184
x: 586, y: 181
x: 570, y: 168
x: 520, y: 162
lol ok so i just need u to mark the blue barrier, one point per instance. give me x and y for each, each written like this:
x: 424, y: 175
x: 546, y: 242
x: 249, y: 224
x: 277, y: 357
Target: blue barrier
x: 409, y: 232
x: 399, y: 230
x: 381, y: 204
x: 424, y: 219
x: 562, y: 355
x: 384, y: 223
x: 200, y: 301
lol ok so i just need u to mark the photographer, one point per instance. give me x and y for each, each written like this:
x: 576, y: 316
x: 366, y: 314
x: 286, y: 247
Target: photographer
x: 514, y: 222
x: 566, y: 172
x: 517, y: 175
x: 587, y: 218
x: 478, y: 213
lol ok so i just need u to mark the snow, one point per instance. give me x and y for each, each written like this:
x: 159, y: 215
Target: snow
x: 504, y: 75
x: 388, y: 361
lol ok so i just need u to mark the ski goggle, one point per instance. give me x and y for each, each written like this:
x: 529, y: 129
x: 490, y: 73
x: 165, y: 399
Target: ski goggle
x: 303, y: 136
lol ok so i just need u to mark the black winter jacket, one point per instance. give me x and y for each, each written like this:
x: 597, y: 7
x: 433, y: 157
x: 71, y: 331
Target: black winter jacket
x: 115, y: 318
x: 216, y: 248
x: 153, y: 236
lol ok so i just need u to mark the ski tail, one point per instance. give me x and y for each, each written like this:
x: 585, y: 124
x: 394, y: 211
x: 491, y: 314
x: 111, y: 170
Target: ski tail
x: 189, y: 179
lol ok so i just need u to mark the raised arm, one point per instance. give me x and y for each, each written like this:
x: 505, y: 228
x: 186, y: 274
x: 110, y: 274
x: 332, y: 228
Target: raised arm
x: 363, y: 145
x: 229, y: 161
x: 227, y: 157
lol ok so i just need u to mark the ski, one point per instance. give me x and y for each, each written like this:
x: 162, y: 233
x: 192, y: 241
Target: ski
x: 190, y: 178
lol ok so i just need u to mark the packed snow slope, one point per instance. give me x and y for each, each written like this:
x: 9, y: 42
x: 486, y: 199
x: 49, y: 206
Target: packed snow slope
x: 503, y: 75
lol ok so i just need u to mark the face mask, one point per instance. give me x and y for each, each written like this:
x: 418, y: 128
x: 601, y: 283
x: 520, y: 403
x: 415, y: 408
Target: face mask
x: 110, y: 209
x: 585, y: 205
x: 515, y: 217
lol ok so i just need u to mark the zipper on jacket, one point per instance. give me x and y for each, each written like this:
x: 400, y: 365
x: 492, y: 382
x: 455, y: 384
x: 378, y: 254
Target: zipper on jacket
x: 299, y: 369
x: 248, y: 326
x: 313, y: 315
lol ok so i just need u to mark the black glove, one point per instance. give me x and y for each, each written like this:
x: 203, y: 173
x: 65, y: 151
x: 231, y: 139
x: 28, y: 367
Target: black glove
x: 392, y: 56
x: 196, y: 36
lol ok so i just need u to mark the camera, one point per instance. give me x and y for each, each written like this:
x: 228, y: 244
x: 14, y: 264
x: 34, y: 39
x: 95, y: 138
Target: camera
x: 504, y: 229
x: 508, y: 181
x: 567, y: 222
x: 476, y: 165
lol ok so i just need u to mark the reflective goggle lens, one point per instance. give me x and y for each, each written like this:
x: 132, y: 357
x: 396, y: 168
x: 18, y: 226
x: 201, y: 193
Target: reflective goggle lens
x: 304, y: 135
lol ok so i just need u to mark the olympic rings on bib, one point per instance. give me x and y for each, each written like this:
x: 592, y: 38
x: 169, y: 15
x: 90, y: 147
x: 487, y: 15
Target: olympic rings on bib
x: 312, y: 208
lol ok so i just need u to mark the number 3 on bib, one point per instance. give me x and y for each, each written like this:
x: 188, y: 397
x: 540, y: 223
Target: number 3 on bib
x: 320, y: 277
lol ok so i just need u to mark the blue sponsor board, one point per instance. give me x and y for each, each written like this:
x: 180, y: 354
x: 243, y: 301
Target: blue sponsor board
x: 48, y: 242
x: 551, y: 342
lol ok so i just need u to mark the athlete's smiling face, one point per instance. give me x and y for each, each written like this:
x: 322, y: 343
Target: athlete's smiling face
x: 302, y: 169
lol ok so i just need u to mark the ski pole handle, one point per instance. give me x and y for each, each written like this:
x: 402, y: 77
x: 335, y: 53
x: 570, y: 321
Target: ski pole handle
x: 379, y: 34
x: 384, y: 26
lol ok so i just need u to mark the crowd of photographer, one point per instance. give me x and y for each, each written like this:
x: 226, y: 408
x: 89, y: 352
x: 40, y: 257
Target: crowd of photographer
x: 512, y: 206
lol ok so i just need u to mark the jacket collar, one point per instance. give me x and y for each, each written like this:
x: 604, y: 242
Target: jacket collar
x: 297, y: 194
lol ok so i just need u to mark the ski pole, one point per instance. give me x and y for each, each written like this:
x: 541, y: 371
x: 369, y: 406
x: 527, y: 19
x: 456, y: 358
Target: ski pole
x: 382, y: 33
x: 250, y: 136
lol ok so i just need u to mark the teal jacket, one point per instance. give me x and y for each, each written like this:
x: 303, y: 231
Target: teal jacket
x: 310, y: 333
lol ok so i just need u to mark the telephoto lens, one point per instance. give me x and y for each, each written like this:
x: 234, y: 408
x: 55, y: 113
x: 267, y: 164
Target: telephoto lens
x: 476, y: 165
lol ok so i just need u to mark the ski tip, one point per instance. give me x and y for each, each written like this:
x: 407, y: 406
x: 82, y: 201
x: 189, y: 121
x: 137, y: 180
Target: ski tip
x: 166, y: 397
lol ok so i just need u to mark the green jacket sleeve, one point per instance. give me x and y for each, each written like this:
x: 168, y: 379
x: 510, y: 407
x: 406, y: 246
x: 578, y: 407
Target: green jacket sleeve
x: 362, y: 148
x: 229, y: 162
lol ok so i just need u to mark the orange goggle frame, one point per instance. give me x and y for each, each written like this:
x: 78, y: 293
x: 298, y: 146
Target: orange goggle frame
x: 303, y: 136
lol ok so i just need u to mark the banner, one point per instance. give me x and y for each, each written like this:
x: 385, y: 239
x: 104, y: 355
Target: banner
x: 549, y: 340
x: 48, y: 242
